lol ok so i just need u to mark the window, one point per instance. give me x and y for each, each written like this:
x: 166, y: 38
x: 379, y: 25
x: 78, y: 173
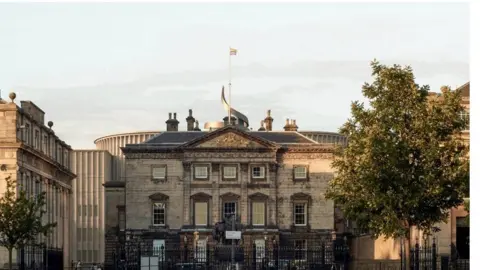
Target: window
x: 201, y: 172
x: 300, y: 172
x: 36, y: 143
x: 260, y: 249
x: 159, y: 172
x: 229, y: 172
x: 258, y: 172
x: 59, y: 154
x: 158, y: 214
x: 65, y: 158
x: 300, y: 249
x: 201, y: 213
x: 201, y: 250
x: 258, y: 213
x: 79, y: 234
x: 27, y: 133
x: 45, y: 144
x: 229, y: 209
x: 300, y: 214
x: 159, y: 248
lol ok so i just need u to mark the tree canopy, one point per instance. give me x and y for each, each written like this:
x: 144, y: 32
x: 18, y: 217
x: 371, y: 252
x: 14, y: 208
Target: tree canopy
x: 404, y: 165
x: 21, y: 218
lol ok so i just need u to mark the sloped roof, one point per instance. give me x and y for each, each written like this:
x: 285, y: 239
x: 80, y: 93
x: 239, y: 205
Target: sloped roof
x: 175, y: 138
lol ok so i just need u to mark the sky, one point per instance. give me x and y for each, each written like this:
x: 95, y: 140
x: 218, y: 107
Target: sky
x: 103, y: 68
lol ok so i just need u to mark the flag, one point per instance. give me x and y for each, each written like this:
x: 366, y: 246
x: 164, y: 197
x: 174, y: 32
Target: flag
x: 233, y: 51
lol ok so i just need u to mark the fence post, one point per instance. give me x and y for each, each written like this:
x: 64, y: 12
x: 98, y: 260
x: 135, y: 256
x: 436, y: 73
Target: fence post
x: 207, y: 259
x: 139, y: 256
x: 417, y: 256
x: 434, y: 255
x: 322, y: 253
x: 44, y: 257
x: 346, y: 257
x: 275, y: 252
x: 254, y: 256
x: 185, y: 252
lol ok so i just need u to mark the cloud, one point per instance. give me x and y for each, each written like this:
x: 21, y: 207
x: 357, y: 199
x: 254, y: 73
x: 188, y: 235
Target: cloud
x: 316, y: 93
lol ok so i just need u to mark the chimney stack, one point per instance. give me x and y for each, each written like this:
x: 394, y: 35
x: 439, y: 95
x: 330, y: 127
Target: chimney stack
x: 294, y: 125
x: 268, y: 121
x: 172, y: 124
x: 262, y: 128
x: 197, y: 128
x: 190, y: 120
x: 290, y: 125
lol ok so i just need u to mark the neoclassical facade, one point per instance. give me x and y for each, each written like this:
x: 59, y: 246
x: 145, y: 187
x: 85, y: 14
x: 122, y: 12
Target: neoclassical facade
x: 39, y: 161
x: 178, y: 183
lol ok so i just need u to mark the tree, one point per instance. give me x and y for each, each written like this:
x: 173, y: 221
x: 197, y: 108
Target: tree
x: 466, y: 206
x: 21, y: 218
x: 404, y: 165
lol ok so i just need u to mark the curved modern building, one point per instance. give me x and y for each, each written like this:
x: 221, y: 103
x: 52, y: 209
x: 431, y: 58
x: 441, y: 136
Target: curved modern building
x: 112, y: 144
x: 95, y: 167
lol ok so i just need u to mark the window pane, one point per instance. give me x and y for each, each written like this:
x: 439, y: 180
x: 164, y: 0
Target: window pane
x: 258, y: 215
x: 201, y: 172
x: 300, y: 172
x: 201, y: 250
x: 201, y: 213
x: 260, y: 249
x: 229, y: 208
x: 300, y: 249
x: 159, y: 248
x: 158, y: 214
x: 229, y: 172
x: 258, y: 172
x: 300, y: 214
x: 159, y: 173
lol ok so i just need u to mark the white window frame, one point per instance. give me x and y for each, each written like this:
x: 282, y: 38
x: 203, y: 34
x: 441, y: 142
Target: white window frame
x: 157, y: 248
x: 196, y: 212
x: 261, y: 172
x: 201, y: 171
x: 300, y: 174
x: 159, y: 173
x: 260, y: 250
x: 160, y: 205
x: 263, y: 213
x: 201, y: 250
x: 303, y: 250
x: 229, y: 167
x: 305, y: 209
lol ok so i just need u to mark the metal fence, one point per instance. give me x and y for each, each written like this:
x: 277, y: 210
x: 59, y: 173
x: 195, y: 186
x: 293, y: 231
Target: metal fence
x: 38, y: 258
x: 240, y: 257
x: 426, y: 257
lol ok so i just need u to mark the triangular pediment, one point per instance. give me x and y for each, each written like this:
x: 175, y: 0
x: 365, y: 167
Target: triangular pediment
x: 229, y: 137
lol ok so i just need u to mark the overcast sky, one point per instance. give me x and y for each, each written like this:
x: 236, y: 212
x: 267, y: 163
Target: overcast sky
x: 99, y: 69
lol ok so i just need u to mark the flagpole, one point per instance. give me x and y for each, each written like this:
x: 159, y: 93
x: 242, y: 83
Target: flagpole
x: 229, y: 86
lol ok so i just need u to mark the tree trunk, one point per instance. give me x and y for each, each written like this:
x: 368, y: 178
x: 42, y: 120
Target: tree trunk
x: 10, y: 251
x: 406, y: 244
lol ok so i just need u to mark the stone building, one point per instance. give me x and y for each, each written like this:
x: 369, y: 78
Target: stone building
x: 94, y: 168
x: 38, y: 161
x: 180, y: 183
